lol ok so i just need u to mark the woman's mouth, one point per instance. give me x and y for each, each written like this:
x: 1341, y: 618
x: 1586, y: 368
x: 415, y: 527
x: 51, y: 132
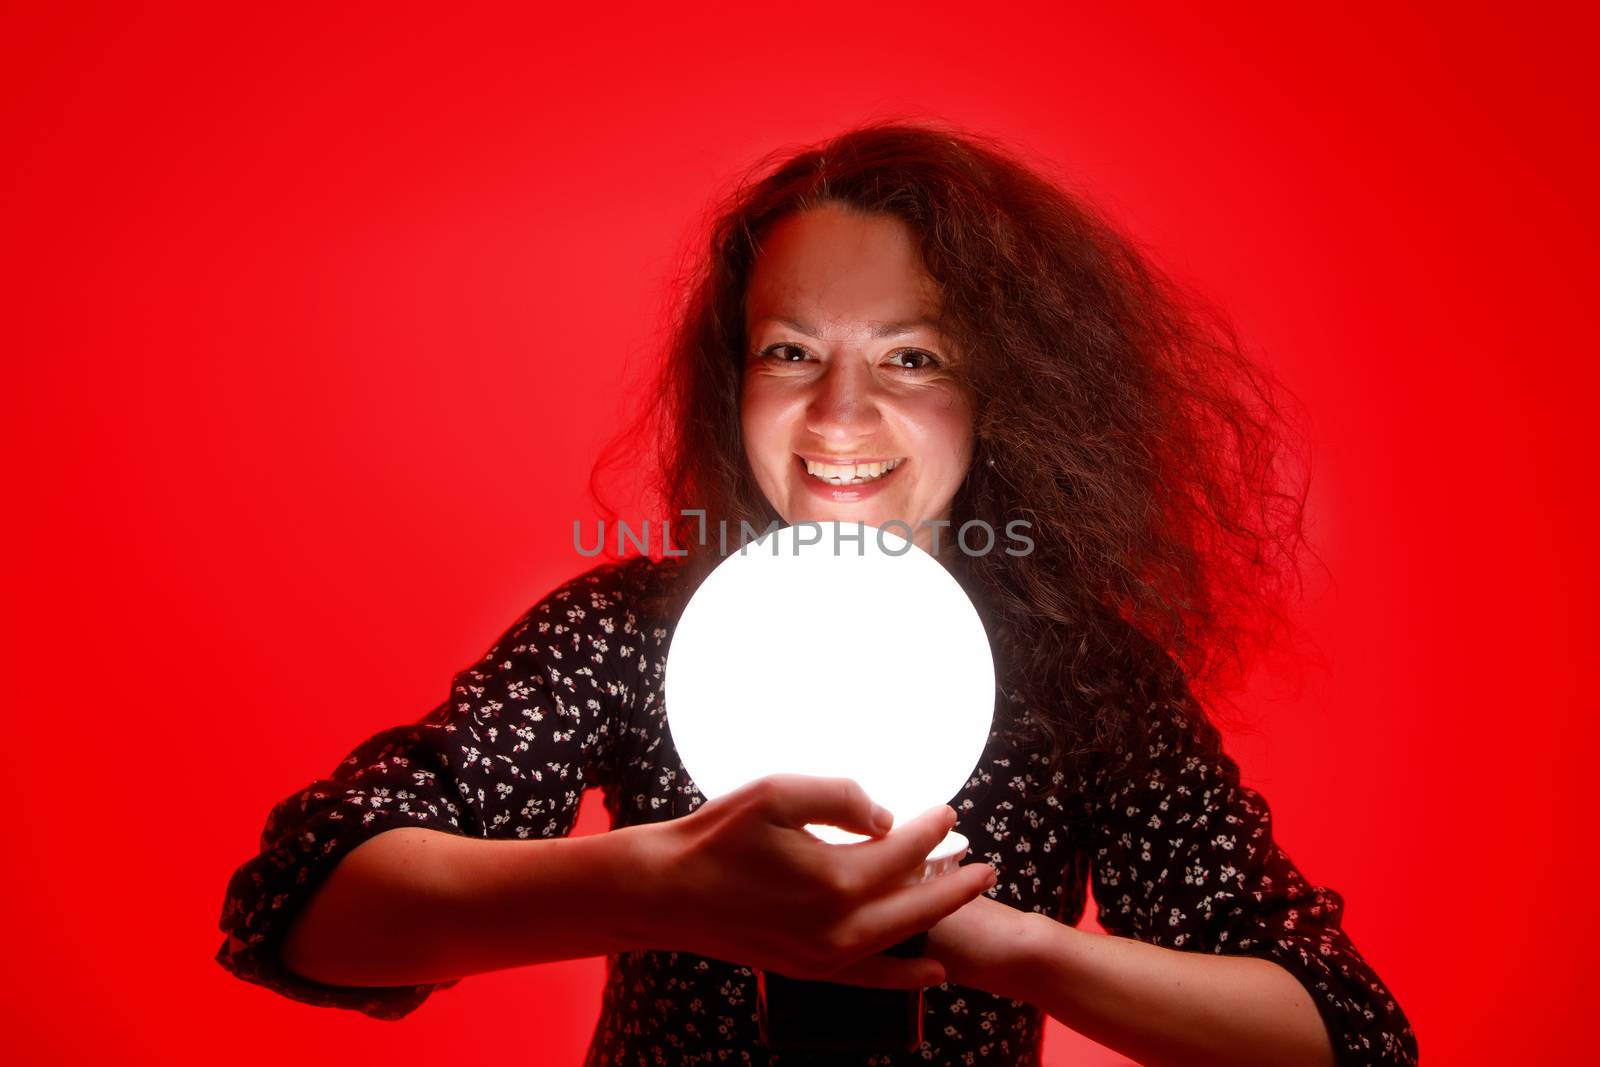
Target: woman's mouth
x: 848, y: 474
x: 852, y: 482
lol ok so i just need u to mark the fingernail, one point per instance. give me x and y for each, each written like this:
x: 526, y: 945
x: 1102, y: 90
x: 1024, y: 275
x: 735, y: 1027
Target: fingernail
x: 882, y: 819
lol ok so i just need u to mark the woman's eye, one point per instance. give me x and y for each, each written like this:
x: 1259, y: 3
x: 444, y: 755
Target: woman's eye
x: 920, y: 360
x: 914, y: 358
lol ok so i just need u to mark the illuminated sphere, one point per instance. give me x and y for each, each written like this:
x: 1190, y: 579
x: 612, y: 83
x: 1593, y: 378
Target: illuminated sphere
x: 813, y: 652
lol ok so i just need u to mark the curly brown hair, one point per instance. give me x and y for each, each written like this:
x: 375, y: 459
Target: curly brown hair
x: 1115, y: 411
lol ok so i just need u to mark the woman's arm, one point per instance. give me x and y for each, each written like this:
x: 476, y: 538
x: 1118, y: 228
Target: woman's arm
x: 1162, y: 1006
x: 739, y: 879
x: 1183, y: 858
x: 415, y: 906
x: 503, y: 760
x: 1154, y: 1005
x: 1209, y: 923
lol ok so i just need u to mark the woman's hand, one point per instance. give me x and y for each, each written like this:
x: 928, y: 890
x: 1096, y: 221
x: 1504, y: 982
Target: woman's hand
x: 742, y: 880
x: 983, y: 945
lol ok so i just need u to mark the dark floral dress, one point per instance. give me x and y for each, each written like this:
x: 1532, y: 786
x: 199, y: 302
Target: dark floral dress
x: 569, y: 698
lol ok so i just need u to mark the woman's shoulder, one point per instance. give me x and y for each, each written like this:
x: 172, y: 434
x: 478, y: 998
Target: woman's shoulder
x: 610, y: 613
x: 630, y: 575
x: 637, y: 585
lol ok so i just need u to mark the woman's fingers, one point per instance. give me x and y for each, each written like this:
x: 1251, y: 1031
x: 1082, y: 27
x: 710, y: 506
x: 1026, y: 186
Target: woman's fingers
x: 797, y: 799
x: 752, y: 885
x: 897, y: 916
x: 866, y: 866
x: 871, y: 864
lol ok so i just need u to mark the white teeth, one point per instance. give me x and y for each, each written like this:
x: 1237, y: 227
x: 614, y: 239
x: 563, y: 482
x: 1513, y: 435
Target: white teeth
x: 851, y: 473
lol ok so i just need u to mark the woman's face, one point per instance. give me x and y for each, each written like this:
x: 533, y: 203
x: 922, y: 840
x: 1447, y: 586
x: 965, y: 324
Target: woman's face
x: 848, y: 408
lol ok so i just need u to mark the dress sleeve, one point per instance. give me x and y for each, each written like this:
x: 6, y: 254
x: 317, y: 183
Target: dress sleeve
x: 1184, y: 857
x: 507, y: 754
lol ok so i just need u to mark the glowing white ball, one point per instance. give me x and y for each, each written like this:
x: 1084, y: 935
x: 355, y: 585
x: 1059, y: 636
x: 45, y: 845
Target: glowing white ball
x: 814, y: 652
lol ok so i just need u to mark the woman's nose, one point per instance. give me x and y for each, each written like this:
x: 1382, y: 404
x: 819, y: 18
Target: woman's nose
x: 844, y: 402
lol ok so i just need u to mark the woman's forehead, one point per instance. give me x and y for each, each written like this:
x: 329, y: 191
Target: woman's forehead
x: 841, y: 275
x: 836, y: 328
x: 854, y: 316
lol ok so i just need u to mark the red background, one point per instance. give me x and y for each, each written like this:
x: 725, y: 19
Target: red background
x: 317, y: 319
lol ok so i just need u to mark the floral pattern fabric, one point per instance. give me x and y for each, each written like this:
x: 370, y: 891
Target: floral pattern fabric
x: 570, y: 698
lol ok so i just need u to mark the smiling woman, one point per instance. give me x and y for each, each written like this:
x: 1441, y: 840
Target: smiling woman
x: 904, y: 324
x: 849, y: 409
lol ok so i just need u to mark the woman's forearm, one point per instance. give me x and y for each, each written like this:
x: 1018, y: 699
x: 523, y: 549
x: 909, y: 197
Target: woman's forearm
x: 1161, y: 1006
x: 412, y: 906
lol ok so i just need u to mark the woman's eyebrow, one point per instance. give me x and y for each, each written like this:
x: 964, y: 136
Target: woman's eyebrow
x: 880, y: 330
